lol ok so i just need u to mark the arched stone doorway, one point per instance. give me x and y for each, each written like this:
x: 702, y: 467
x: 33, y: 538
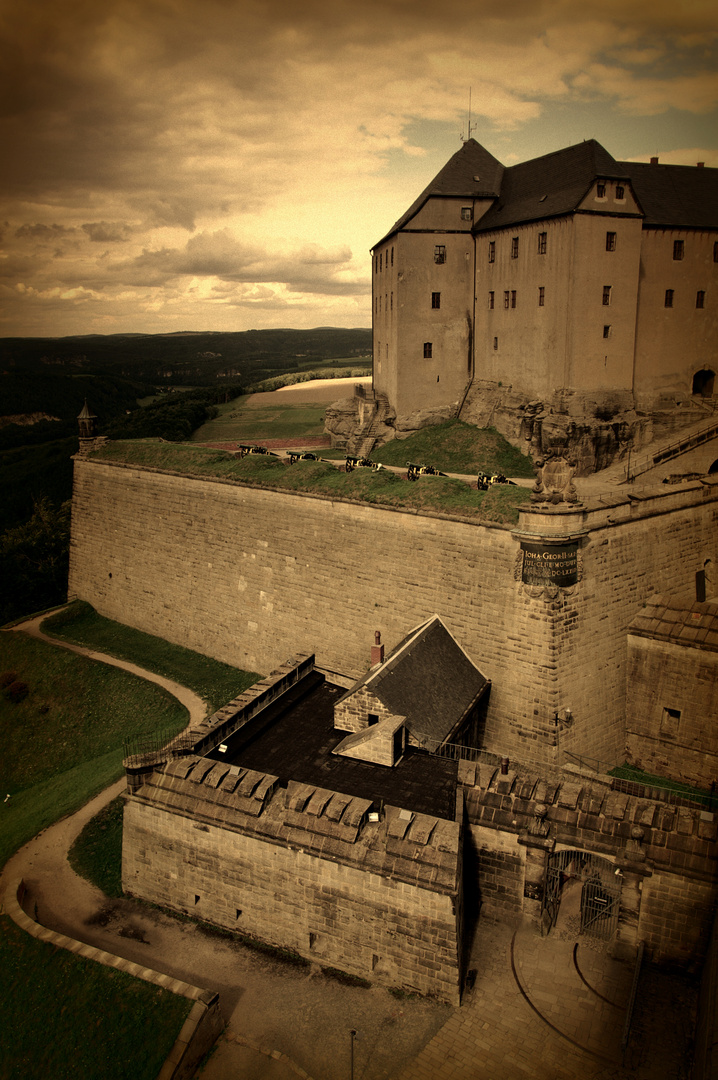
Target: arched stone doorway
x: 703, y: 383
x: 588, y: 886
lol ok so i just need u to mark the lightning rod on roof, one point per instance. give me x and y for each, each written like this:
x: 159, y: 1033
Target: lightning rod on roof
x: 471, y: 127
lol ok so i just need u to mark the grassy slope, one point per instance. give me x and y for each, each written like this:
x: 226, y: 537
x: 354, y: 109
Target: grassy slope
x: 439, y: 494
x: 97, y: 852
x: 65, y: 1017
x: 63, y: 743
x: 215, y: 682
x: 458, y: 448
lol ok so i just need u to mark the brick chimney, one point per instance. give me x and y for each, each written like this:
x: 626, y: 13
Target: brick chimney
x: 700, y: 164
x: 654, y: 161
x: 377, y: 650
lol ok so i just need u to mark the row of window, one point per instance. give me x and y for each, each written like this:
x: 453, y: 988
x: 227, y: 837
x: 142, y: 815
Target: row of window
x: 670, y: 295
x: 388, y: 303
x: 379, y: 260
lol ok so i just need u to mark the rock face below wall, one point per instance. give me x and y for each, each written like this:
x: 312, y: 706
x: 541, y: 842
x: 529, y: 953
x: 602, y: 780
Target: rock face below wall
x: 598, y: 427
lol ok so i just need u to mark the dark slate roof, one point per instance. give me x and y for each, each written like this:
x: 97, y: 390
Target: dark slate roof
x: 472, y: 173
x: 550, y: 185
x: 555, y: 184
x: 293, y: 739
x: 680, y: 620
x: 678, y: 195
x: 428, y: 678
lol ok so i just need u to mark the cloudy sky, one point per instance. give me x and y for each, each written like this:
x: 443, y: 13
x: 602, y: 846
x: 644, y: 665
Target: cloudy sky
x: 227, y: 164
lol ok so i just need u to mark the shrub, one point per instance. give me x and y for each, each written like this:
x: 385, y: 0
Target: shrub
x: 17, y: 691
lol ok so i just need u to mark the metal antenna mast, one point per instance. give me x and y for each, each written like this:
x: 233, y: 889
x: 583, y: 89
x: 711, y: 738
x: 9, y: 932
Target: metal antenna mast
x: 471, y: 127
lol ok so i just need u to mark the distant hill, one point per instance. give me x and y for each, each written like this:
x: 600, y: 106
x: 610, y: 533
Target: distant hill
x: 188, y: 358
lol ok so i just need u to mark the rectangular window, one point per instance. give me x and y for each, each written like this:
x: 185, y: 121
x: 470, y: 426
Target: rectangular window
x: 700, y: 298
x: 427, y: 350
x: 372, y: 718
x: 607, y: 331
x: 440, y: 253
x: 380, y: 305
x: 514, y: 247
x: 668, y: 301
x: 376, y: 305
x: 491, y: 301
x: 600, y: 191
x: 610, y: 241
x: 542, y: 295
x: 466, y: 213
x: 542, y: 243
x: 492, y: 250
x: 620, y: 193
x: 387, y: 350
x: 506, y: 298
x: 496, y: 344
x: 392, y: 256
x: 606, y: 295
x: 380, y: 259
x: 670, y: 721
x: 513, y: 298
x: 436, y: 299
x: 678, y: 250
x: 391, y: 301
x: 715, y: 251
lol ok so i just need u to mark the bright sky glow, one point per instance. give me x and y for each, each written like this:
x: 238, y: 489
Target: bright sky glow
x: 220, y: 165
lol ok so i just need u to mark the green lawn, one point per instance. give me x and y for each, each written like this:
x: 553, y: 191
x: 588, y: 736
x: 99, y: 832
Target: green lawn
x: 66, y: 1018
x: 215, y: 682
x: 458, y: 448
x: 96, y: 854
x: 63, y: 742
x: 438, y: 494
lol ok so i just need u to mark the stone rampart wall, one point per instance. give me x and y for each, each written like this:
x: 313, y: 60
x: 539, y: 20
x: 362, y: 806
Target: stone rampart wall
x: 249, y: 576
x: 368, y: 924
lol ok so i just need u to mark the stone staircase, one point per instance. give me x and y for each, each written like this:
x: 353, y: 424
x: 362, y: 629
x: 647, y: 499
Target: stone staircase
x: 374, y: 414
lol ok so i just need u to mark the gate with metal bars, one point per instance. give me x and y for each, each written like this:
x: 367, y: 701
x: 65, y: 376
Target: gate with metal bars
x: 600, y: 892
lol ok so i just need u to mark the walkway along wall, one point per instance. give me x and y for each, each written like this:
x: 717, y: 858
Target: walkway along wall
x: 250, y: 575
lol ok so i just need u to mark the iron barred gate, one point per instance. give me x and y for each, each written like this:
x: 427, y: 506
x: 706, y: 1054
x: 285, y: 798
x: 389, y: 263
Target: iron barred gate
x: 600, y: 891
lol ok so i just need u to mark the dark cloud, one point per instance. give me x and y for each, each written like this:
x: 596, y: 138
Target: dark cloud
x: 43, y: 232
x: 107, y: 232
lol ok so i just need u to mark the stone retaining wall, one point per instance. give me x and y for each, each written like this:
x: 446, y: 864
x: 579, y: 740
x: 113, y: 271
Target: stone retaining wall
x: 204, y: 1023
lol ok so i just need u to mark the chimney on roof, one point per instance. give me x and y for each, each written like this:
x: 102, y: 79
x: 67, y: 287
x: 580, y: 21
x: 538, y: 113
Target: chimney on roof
x: 700, y: 164
x: 654, y: 161
x: 377, y: 650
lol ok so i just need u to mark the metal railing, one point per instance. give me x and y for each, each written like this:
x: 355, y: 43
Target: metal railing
x: 652, y: 789
x: 150, y: 749
x: 642, y: 463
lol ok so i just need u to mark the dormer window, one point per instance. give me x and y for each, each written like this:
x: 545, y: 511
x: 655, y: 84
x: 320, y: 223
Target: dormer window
x: 620, y: 193
x: 600, y: 191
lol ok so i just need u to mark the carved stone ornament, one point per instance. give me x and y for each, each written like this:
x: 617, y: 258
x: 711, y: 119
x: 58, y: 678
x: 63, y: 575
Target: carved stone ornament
x: 554, y: 477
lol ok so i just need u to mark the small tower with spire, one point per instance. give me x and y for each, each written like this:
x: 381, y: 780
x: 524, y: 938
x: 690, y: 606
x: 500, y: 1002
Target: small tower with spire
x: 89, y: 439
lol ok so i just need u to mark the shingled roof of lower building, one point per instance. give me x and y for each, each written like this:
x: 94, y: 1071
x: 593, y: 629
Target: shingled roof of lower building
x: 681, y: 620
x: 429, y: 679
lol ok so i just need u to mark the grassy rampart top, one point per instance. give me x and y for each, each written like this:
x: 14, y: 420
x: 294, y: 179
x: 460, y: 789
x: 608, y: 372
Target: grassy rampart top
x: 429, y: 494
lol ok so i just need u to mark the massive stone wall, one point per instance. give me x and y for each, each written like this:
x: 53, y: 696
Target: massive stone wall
x: 301, y: 868
x: 249, y: 576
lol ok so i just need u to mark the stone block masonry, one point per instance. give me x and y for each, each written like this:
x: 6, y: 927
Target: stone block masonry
x: 302, y: 869
x: 249, y: 576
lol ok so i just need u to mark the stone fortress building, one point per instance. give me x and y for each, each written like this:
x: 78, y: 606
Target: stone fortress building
x: 569, y: 296
x: 359, y: 809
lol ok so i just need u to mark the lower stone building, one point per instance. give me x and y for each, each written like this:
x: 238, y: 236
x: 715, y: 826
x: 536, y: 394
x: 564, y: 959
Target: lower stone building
x: 261, y: 822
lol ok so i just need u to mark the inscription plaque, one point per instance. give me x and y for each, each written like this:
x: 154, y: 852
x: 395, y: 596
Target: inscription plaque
x: 549, y: 564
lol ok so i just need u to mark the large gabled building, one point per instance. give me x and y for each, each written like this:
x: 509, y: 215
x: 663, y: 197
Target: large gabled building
x: 572, y: 272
